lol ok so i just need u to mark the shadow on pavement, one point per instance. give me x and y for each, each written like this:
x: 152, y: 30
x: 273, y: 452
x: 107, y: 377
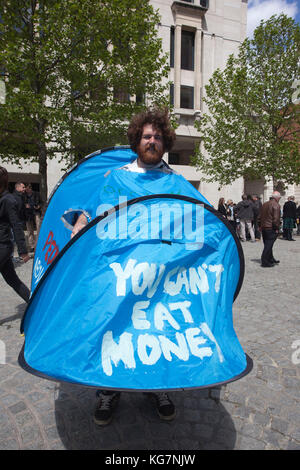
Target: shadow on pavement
x: 20, y: 312
x: 202, y: 422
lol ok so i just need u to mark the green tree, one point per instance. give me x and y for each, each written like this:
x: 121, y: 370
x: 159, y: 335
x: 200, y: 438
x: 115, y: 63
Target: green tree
x: 251, y: 127
x: 71, y: 68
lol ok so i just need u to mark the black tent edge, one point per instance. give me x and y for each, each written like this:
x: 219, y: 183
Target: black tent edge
x: 129, y: 203
x: 30, y: 370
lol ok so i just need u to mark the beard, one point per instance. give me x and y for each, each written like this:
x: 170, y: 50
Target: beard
x: 151, y: 155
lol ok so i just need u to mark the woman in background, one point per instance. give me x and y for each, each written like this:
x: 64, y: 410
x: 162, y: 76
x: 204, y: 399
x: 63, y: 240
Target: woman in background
x: 222, y: 207
x: 231, y: 214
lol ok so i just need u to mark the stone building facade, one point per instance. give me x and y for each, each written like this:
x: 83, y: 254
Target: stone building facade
x: 199, y: 36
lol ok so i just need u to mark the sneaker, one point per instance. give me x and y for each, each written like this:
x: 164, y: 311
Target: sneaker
x: 164, y: 406
x: 104, y: 410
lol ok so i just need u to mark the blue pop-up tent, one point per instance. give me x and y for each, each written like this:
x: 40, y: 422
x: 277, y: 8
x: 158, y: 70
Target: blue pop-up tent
x: 141, y: 298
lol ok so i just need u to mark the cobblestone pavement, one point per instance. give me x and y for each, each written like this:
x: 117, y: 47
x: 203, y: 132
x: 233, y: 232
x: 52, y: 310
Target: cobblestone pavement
x: 260, y: 411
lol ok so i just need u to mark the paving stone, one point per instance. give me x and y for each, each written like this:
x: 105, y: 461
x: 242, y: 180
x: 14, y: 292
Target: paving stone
x: 9, y: 444
x: 261, y: 418
x: 279, y: 425
x: 225, y: 437
x: 18, y: 407
x: 249, y: 443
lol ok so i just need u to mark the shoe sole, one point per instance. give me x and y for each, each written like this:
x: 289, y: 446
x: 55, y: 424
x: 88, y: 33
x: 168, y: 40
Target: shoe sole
x: 103, y: 423
x: 166, y: 418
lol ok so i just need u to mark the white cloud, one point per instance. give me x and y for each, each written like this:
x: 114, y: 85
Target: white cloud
x: 263, y: 9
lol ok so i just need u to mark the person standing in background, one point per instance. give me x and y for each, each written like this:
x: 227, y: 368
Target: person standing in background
x: 298, y: 219
x: 29, y: 216
x: 222, y: 207
x: 245, y: 214
x: 10, y: 223
x: 19, y: 195
x: 289, y: 216
x: 230, y: 213
x: 256, y: 209
x: 269, y: 223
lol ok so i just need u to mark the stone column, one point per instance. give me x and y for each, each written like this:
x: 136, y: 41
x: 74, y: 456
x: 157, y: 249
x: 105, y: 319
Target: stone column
x: 177, y: 66
x: 197, y: 61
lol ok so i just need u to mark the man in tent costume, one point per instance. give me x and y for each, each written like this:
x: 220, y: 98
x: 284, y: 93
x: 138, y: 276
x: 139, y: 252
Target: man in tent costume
x: 139, y: 298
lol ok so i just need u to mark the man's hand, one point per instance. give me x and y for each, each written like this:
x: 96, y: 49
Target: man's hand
x: 25, y: 257
x: 80, y: 224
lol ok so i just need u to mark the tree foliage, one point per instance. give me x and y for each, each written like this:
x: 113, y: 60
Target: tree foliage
x: 70, y: 67
x: 252, y: 126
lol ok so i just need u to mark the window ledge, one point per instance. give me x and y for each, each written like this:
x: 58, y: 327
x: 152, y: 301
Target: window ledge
x: 191, y: 8
x: 187, y: 111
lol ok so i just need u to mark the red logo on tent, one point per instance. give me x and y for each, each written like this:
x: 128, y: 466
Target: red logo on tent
x: 53, y: 249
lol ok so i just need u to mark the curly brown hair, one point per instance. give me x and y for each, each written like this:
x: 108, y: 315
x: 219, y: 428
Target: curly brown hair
x: 160, y: 120
x: 3, y: 179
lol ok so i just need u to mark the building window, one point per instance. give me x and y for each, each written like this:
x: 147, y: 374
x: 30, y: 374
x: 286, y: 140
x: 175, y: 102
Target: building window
x: 187, y: 97
x: 204, y: 3
x: 98, y: 90
x: 174, y: 158
x: 140, y: 97
x: 172, y: 43
x: 121, y: 95
x: 187, y: 50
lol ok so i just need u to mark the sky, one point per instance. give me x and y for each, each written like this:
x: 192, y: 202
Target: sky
x: 263, y: 9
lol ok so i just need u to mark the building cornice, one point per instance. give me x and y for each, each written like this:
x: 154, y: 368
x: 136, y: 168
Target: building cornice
x: 188, y: 9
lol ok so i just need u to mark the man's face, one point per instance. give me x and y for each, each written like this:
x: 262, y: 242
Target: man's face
x: 21, y: 188
x: 151, y: 148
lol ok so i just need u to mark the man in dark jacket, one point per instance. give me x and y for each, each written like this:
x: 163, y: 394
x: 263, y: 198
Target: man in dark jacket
x: 9, y: 222
x: 244, y: 212
x: 256, y: 209
x: 269, y: 223
x: 289, y: 216
x: 298, y: 219
x: 18, y: 194
x: 31, y: 211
